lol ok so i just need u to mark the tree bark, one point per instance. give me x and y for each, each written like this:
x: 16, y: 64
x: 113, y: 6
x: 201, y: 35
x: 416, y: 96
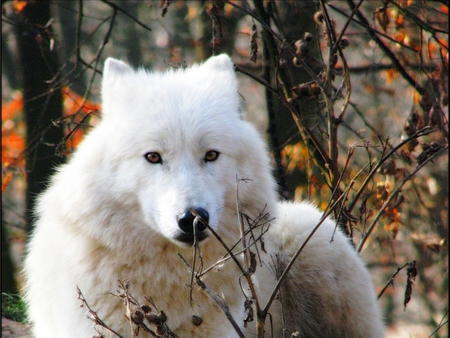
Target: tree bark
x: 8, y: 280
x: 297, y: 18
x: 42, y: 103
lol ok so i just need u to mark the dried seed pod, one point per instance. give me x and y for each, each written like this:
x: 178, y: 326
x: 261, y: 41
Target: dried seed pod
x: 319, y: 17
x: 248, y: 305
x: 137, y: 317
x: 146, y: 308
x: 161, y: 331
x: 196, y: 320
x: 296, y: 62
x: 314, y: 89
x: 152, y: 318
x: 253, y: 44
x: 162, y: 317
x: 435, y: 147
x: 307, y: 37
x: 343, y: 43
x: 426, y: 102
x: 408, y: 129
x: 252, y: 267
x: 301, y: 90
x: 334, y: 60
x: 302, y: 49
x: 388, y: 167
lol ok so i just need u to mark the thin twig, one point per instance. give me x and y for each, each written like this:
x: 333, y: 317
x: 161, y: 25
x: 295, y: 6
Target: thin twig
x: 117, y: 8
x: 394, y: 194
x: 294, y: 258
x: 256, y: 78
x: 387, y: 51
x: 384, y: 157
x: 391, y: 280
x: 223, y: 306
x: 441, y: 324
x: 94, y: 317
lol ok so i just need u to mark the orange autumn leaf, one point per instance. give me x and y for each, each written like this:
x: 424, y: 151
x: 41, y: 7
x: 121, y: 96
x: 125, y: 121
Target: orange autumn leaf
x: 12, y: 108
x: 6, y: 179
x: 443, y: 42
x: 391, y: 74
x: 13, y: 137
x: 228, y: 10
x: 12, y: 145
x: 405, y: 3
x: 432, y: 47
x: 74, y: 103
x: 399, y: 36
x: 19, y: 6
x: 76, y: 109
x: 417, y: 97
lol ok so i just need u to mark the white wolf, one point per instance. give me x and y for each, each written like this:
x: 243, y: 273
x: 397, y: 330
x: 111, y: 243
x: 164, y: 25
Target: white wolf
x: 170, y: 147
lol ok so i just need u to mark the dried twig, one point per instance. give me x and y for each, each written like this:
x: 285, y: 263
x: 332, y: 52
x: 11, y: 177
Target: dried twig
x: 387, y: 50
x: 222, y: 304
x: 394, y: 193
x: 132, y: 17
x: 93, y: 315
x: 441, y: 324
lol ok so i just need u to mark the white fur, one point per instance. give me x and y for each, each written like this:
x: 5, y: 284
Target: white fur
x: 109, y: 214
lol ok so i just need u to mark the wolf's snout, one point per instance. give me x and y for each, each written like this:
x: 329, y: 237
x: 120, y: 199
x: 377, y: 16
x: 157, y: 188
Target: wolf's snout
x: 186, y: 219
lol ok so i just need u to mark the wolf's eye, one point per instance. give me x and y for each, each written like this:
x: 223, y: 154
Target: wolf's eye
x: 211, y: 156
x: 153, y: 157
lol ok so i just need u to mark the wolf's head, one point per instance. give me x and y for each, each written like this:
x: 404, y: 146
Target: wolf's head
x: 172, y: 146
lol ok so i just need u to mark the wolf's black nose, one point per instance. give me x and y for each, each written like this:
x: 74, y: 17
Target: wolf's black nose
x: 185, y: 220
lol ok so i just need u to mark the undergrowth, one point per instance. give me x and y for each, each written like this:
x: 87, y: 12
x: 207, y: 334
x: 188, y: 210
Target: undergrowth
x: 13, y: 307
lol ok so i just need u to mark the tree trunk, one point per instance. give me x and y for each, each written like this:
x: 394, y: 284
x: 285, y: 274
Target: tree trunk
x: 42, y: 103
x: 8, y: 280
x: 295, y: 19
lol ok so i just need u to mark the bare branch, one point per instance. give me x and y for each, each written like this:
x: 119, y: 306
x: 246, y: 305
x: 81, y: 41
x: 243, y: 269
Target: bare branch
x: 394, y: 194
x: 387, y: 50
x: 93, y: 315
x: 118, y: 8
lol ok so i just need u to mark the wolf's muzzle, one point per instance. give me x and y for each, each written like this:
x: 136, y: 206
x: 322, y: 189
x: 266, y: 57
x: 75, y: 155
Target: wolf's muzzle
x: 190, y: 228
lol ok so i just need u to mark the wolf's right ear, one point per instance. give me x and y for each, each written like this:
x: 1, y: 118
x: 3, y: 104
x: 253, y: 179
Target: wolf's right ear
x: 115, y: 68
x: 220, y: 62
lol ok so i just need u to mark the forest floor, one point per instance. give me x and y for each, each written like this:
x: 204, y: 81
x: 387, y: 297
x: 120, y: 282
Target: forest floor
x: 12, y: 329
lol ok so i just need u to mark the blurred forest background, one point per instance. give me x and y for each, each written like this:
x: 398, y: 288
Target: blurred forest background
x: 352, y: 95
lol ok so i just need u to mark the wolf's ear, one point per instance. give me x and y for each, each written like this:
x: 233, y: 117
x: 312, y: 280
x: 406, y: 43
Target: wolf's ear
x: 115, y: 68
x: 114, y: 73
x: 220, y: 62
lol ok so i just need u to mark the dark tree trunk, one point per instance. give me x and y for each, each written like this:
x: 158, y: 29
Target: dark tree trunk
x: 67, y: 12
x: 8, y: 280
x: 42, y: 103
x: 297, y: 19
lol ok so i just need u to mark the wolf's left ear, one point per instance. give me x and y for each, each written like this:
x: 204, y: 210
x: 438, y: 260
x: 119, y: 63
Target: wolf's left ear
x: 115, y: 68
x: 220, y: 62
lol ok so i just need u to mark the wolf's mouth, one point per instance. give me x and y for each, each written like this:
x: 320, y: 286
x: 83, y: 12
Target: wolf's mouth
x: 189, y: 238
